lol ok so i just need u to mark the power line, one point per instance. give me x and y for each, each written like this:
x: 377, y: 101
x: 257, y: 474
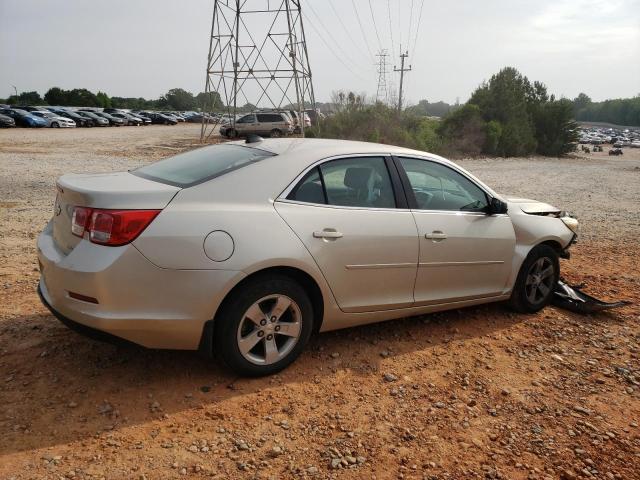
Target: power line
x: 330, y: 36
x: 374, y: 25
x: 393, y: 47
x: 415, y: 41
x: 410, y: 24
x: 331, y: 48
x: 339, y: 17
x: 361, y: 28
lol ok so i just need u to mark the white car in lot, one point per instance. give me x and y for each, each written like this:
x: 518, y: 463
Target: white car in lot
x: 243, y: 250
x: 54, y: 121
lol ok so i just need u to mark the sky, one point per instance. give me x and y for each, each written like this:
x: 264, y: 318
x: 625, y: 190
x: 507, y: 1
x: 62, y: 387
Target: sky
x: 142, y: 48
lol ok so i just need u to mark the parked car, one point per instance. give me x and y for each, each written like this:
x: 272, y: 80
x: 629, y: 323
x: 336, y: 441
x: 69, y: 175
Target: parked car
x: 54, y: 120
x: 274, y: 124
x: 128, y: 118
x: 24, y: 118
x: 98, y: 121
x: 174, y: 115
x: 145, y: 120
x: 6, y: 121
x: 79, y: 119
x: 113, y: 121
x: 243, y: 249
x: 159, y: 118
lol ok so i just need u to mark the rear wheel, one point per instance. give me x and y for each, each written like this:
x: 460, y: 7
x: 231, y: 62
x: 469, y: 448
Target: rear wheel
x: 264, y: 326
x: 536, y: 280
x: 275, y: 133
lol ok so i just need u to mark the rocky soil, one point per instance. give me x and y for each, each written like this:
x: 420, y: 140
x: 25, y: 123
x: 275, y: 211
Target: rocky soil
x: 473, y: 393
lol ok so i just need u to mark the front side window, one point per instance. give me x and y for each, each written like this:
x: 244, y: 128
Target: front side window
x: 348, y: 182
x: 247, y: 119
x: 438, y: 187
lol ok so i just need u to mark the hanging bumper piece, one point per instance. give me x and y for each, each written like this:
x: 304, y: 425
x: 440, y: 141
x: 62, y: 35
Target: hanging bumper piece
x: 573, y: 299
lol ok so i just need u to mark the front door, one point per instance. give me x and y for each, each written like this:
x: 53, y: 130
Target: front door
x: 464, y: 252
x: 345, y: 213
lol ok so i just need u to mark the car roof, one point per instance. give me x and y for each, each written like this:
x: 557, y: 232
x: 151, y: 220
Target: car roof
x: 310, y: 150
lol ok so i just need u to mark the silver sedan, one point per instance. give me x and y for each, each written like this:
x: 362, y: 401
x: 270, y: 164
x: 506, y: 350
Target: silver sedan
x: 242, y: 250
x: 53, y: 120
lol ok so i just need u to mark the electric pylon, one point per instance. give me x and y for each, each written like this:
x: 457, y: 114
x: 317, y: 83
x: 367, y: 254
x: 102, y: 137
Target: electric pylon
x: 382, y: 94
x: 257, y: 59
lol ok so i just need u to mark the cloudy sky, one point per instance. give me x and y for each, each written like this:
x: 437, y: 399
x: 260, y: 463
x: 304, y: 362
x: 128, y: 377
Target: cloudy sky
x: 145, y: 47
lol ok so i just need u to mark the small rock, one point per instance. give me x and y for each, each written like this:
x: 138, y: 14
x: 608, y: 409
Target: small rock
x: 390, y: 377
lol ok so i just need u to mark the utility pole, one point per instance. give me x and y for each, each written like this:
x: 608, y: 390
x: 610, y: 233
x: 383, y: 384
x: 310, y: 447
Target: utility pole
x: 382, y: 94
x: 401, y: 70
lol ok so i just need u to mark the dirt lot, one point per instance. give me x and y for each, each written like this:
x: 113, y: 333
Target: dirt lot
x: 474, y: 393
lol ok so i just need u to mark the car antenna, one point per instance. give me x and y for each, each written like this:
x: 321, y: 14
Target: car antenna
x: 253, y: 138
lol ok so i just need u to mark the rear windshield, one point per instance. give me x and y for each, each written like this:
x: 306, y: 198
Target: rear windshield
x: 197, y: 166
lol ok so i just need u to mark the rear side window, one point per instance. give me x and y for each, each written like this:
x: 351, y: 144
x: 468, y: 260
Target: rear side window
x: 197, y: 166
x: 349, y: 182
x: 270, y: 117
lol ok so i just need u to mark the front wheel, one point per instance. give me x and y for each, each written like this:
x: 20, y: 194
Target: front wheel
x: 232, y: 133
x: 55, y: 125
x: 536, y: 280
x: 264, y: 326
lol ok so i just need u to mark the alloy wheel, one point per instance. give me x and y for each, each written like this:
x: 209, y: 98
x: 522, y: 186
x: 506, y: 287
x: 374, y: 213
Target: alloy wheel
x: 269, y: 329
x: 540, y: 279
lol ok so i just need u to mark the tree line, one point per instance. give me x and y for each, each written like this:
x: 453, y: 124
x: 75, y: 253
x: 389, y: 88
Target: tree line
x: 506, y: 116
x: 621, y: 111
x: 175, y: 99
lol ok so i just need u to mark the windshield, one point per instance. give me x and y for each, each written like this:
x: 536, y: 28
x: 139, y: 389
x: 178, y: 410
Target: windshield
x: 197, y: 166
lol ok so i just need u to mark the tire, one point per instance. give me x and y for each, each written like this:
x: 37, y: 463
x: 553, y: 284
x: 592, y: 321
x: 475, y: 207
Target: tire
x: 275, y: 133
x: 55, y: 125
x: 262, y: 298
x: 534, y: 288
x: 232, y: 133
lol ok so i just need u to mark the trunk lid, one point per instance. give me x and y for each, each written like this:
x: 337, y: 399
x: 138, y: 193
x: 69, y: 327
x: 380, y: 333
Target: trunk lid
x: 109, y: 190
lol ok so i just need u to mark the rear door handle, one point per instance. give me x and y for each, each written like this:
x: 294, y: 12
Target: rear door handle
x: 436, y: 235
x: 328, y: 233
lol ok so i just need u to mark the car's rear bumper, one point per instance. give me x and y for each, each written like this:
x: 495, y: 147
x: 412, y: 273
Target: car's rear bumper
x: 136, y: 300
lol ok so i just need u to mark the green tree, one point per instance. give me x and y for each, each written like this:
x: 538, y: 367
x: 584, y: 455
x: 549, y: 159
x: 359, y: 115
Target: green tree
x: 26, y: 98
x: 55, y: 96
x: 178, y: 99
x: 103, y: 100
x: 505, y: 99
x: 210, y: 101
x: 464, y: 131
x: 556, y: 131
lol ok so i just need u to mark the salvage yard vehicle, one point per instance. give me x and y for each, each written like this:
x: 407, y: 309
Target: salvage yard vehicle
x: 24, y: 118
x: 53, y: 120
x: 6, y: 121
x: 274, y: 124
x: 242, y: 250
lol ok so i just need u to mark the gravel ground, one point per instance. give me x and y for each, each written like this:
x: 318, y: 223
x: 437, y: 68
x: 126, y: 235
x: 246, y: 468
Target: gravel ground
x: 473, y: 393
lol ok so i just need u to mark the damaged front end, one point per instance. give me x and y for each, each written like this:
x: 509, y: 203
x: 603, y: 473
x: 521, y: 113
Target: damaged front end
x: 574, y: 299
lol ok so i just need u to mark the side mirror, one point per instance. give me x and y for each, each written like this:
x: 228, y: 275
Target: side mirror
x: 497, y: 206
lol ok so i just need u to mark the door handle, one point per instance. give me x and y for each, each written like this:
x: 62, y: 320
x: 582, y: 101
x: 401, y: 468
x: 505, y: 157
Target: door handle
x: 436, y: 235
x: 328, y: 233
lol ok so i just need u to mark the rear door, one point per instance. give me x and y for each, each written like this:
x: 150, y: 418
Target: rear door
x: 357, y: 228
x: 464, y: 253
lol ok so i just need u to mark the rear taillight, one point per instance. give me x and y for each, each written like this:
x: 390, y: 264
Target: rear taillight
x: 80, y: 220
x: 110, y: 227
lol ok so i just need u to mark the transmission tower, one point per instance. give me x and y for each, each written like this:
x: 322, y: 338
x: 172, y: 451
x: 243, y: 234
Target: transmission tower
x: 257, y: 57
x: 401, y: 70
x: 382, y: 94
